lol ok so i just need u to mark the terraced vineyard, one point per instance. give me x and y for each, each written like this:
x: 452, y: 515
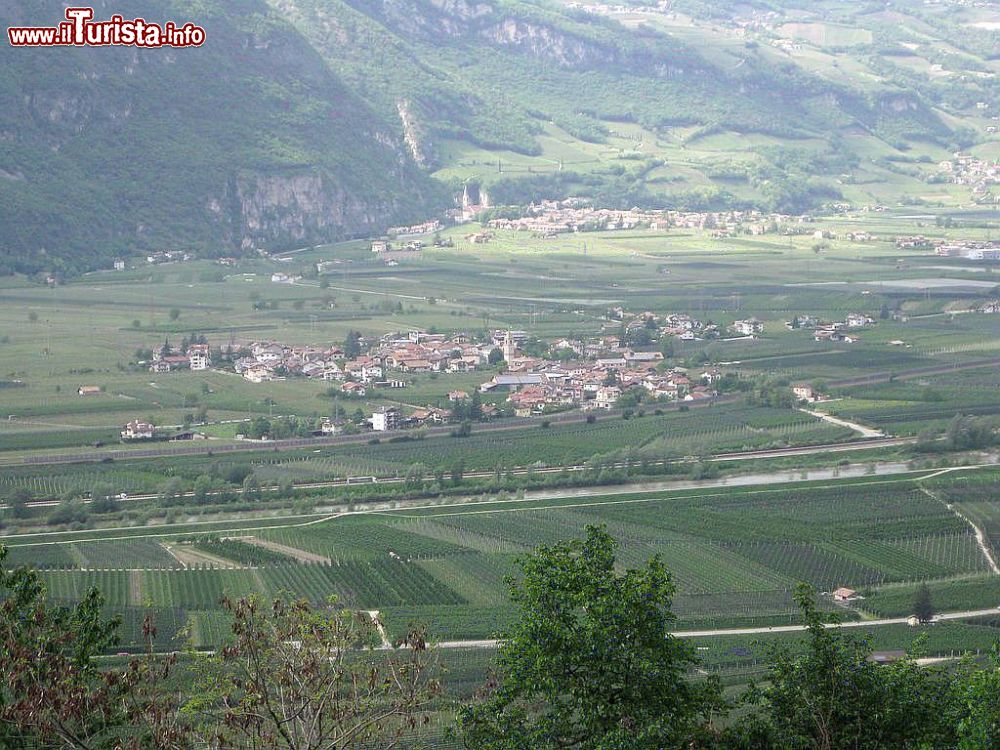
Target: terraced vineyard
x: 736, y: 555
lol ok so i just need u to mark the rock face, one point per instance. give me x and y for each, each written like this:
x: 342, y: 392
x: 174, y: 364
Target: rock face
x: 546, y: 43
x: 417, y: 141
x: 249, y: 141
x: 304, y: 208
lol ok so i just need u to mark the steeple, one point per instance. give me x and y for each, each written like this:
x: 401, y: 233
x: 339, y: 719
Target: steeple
x: 509, y: 347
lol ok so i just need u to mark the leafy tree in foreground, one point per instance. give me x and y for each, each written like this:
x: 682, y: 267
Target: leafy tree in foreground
x: 590, y: 662
x: 53, y: 696
x: 298, y: 678
x: 978, y: 698
x: 835, y: 697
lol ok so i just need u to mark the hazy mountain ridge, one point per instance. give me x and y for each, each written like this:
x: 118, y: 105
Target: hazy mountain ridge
x: 312, y: 120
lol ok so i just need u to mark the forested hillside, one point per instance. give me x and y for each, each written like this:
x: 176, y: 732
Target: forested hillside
x: 249, y: 141
x: 302, y: 121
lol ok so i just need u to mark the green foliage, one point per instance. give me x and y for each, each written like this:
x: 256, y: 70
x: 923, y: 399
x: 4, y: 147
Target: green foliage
x: 165, y: 159
x: 836, y: 697
x: 923, y: 607
x: 589, y: 663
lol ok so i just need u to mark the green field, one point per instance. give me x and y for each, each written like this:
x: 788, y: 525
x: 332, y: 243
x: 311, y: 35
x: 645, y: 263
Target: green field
x: 735, y: 554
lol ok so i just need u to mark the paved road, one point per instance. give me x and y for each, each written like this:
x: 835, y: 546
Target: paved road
x: 492, y: 643
x: 488, y: 643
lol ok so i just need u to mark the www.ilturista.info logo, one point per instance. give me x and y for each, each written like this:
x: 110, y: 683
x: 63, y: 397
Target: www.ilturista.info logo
x: 80, y: 30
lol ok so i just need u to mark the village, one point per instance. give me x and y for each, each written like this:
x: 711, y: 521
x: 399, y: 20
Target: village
x: 549, y: 218
x: 522, y: 376
x: 979, y: 175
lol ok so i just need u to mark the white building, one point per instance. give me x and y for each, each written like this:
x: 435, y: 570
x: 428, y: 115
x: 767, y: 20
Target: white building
x: 385, y: 419
x: 199, y: 360
x: 749, y: 327
x: 136, y: 430
x: 803, y: 392
x: 607, y: 396
x: 258, y: 374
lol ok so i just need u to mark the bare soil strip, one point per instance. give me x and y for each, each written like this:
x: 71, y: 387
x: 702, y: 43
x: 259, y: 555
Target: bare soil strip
x: 188, y: 556
x: 377, y: 621
x: 170, y: 551
x: 298, y: 554
x: 135, y: 588
x: 984, y: 546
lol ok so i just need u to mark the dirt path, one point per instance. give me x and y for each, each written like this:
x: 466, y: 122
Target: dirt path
x: 981, y: 540
x: 170, y: 551
x: 135, y: 588
x: 187, y: 556
x: 867, y: 432
x: 294, y: 552
x: 377, y: 622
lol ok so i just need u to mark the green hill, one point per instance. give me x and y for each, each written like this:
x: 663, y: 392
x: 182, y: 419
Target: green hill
x: 312, y: 120
x: 249, y: 141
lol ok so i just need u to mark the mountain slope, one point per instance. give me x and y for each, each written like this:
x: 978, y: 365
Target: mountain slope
x: 248, y: 141
x: 303, y: 121
x: 475, y: 85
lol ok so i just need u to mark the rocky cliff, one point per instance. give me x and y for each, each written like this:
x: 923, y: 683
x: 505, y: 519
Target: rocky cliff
x: 248, y: 141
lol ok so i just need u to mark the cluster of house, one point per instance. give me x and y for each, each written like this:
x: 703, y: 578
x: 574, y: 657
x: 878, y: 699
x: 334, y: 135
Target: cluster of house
x: 549, y: 218
x: 600, y: 372
x: 383, y: 246
x: 426, y: 227
x: 969, y: 249
x: 263, y: 361
x: 414, y: 352
x: 167, y: 256
x: 194, y: 357
x: 682, y: 325
x: 389, y: 418
x: 393, y: 252
x: 536, y: 385
x: 978, y: 174
x: 836, y: 331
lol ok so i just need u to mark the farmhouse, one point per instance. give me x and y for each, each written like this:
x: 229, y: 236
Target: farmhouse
x: 803, y: 392
x: 258, y: 374
x: 136, y: 430
x: 748, y: 327
x: 351, y: 388
x: 89, y: 390
x: 844, y: 594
